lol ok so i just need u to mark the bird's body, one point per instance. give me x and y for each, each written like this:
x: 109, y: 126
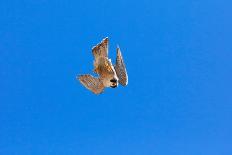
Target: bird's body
x: 108, y: 74
x: 105, y: 70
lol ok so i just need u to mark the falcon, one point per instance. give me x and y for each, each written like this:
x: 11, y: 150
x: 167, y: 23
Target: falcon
x: 108, y: 75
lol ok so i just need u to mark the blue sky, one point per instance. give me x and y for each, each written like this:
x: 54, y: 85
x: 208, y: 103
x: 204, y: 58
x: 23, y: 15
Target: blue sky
x: 178, y: 57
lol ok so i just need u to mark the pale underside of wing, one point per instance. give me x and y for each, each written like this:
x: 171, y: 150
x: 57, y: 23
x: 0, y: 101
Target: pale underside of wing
x: 101, y: 49
x: 120, y: 69
x: 93, y: 84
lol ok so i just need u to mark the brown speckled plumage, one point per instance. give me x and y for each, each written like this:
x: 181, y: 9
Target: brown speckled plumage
x: 109, y: 75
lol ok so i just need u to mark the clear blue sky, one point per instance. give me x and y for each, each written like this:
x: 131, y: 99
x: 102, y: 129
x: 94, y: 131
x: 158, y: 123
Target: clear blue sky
x: 178, y: 56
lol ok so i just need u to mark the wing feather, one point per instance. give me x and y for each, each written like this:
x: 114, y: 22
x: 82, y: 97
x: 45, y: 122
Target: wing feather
x: 120, y: 69
x: 101, y: 49
x: 93, y: 84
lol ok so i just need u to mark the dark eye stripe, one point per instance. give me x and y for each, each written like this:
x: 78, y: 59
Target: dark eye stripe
x: 113, y: 80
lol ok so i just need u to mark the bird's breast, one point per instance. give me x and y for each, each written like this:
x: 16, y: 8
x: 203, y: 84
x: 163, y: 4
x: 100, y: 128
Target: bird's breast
x: 105, y: 67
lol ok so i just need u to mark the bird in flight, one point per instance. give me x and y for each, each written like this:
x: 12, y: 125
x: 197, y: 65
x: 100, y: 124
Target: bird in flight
x: 109, y: 75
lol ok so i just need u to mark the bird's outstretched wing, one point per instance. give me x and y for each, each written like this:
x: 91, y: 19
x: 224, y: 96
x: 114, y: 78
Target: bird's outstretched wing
x: 101, y: 49
x: 120, y: 69
x: 93, y: 84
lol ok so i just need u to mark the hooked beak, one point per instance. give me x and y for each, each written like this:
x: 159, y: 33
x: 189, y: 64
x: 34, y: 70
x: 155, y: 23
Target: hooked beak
x: 113, y: 86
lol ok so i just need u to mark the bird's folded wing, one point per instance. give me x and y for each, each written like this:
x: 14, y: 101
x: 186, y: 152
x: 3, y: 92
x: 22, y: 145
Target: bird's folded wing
x: 101, y: 49
x: 120, y: 69
x: 93, y: 84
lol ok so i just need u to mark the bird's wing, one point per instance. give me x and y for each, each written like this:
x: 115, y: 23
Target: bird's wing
x: 93, y: 84
x: 101, y: 49
x: 120, y: 69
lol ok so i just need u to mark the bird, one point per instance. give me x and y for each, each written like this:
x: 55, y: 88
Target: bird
x: 109, y: 75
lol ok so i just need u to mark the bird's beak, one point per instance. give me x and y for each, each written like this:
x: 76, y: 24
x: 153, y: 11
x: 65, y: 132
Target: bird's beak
x: 113, y: 86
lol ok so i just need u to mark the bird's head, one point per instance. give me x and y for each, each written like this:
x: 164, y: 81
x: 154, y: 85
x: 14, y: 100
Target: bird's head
x: 114, y: 82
